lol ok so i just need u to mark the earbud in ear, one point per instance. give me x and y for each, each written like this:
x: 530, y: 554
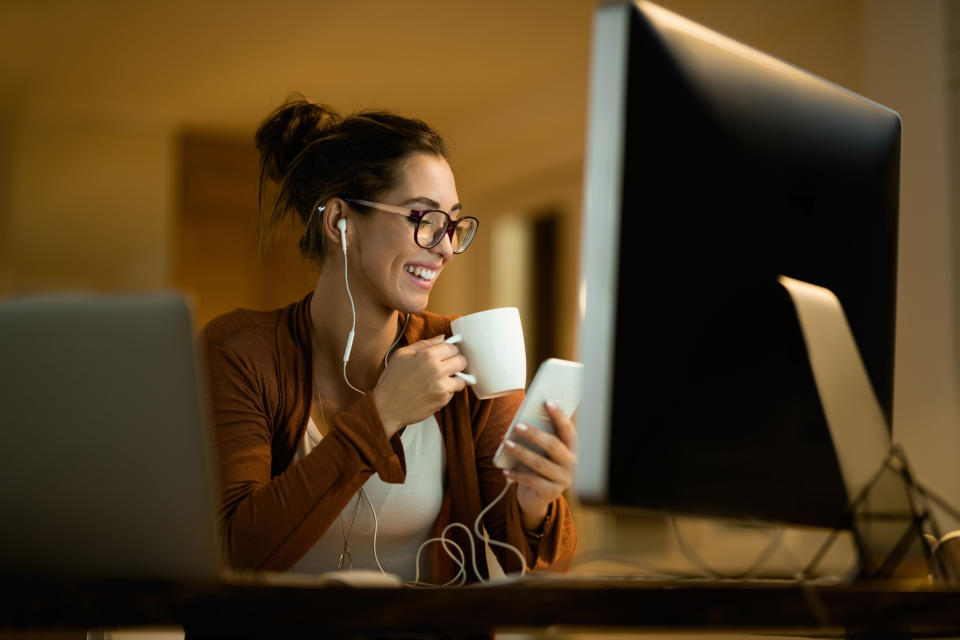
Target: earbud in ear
x: 342, y: 225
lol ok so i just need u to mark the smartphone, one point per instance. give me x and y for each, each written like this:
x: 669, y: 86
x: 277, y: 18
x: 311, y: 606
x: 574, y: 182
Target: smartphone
x: 560, y: 381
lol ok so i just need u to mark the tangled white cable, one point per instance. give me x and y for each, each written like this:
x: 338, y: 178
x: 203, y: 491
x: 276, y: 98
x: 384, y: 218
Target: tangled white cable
x: 460, y: 562
x: 449, y: 547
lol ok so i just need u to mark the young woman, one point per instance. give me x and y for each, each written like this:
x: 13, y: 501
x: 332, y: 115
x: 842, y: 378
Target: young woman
x: 345, y: 437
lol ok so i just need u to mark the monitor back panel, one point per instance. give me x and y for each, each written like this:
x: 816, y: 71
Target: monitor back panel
x: 727, y: 168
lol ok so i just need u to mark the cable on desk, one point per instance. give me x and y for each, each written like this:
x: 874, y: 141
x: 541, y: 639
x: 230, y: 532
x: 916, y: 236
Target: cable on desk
x: 775, y: 540
x: 648, y: 570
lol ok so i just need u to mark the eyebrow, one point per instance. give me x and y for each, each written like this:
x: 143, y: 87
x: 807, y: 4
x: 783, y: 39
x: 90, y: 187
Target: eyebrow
x: 433, y: 204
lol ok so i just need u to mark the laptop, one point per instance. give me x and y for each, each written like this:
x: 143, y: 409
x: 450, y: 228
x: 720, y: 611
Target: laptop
x: 104, y: 452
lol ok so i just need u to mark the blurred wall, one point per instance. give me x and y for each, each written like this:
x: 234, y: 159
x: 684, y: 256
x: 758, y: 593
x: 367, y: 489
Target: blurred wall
x: 88, y: 206
x: 215, y: 257
x: 907, y: 66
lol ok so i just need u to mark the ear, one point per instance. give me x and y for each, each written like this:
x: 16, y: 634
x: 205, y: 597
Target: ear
x: 334, y: 221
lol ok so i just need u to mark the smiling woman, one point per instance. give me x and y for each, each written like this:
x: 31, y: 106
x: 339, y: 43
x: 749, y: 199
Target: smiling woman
x: 346, y: 436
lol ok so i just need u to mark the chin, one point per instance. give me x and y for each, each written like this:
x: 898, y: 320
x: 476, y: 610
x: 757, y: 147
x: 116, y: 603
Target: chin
x: 415, y: 306
x: 409, y: 304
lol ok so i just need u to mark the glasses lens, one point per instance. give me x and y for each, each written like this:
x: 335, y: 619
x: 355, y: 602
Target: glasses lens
x: 434, y: 224
x: 463, y: 233
x: 431, y: 229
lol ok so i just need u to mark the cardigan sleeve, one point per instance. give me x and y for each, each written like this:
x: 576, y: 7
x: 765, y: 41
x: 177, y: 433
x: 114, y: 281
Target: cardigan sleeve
x: 554, y: 551
x: 271, y: 522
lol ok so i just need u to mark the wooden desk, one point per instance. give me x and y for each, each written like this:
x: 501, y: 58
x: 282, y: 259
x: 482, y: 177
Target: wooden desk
x: 882, y: 609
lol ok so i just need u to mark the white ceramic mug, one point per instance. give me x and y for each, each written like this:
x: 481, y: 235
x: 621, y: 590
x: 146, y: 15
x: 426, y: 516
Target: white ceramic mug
x: 492, y: 343
x: 946, y: 556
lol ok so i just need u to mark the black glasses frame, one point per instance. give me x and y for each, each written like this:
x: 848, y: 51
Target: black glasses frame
x: 417, y: 216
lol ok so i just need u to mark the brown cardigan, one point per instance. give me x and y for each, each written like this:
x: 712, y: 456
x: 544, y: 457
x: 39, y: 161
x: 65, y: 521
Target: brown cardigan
x: 272, y: 512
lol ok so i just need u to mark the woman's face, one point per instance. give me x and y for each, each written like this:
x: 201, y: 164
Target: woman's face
x: 387, y: 252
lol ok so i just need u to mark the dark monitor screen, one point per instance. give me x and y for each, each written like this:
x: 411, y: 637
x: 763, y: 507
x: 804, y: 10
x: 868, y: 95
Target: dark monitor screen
x: 712, y: 169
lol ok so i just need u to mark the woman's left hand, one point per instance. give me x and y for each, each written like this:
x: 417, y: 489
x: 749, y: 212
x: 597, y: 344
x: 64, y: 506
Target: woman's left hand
x: 550, y: 474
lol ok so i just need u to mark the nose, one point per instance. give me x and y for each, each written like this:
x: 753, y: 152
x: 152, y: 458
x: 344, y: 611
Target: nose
x: 444, y: 248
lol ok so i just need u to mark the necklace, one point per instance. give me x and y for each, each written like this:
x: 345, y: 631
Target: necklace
x: 345, y: 559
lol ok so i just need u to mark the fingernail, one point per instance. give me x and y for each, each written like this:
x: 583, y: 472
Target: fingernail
x: 510, y: 443
x: 521, y: 426
x: 551, y: 404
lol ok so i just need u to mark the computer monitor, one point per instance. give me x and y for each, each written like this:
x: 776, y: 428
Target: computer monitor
x: 713, y: 168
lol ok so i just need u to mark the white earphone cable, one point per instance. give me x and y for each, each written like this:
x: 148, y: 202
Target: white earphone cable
x: 443, y: 539
x: 346, y: 352
x: 497, y: 543
x: 376, y: 526
x: 353, y: 309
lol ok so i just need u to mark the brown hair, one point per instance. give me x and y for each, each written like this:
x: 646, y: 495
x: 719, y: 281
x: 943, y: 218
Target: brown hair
x: 313, y: 154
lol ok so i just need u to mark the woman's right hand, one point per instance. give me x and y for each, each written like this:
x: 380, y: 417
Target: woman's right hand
x: 418, y: 381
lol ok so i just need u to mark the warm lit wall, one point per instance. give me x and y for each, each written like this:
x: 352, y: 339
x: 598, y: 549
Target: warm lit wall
x: 907, y: 67
x: 215, y: 257
x: 88, y: 207
x: 952, y: 27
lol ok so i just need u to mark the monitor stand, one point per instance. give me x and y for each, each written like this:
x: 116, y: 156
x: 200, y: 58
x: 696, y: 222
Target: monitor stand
x: 888, y: 512
x: 892, y: 524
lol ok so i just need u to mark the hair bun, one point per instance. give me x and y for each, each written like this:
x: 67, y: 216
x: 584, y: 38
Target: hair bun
x: 309, y: 154
x: 287, y: 132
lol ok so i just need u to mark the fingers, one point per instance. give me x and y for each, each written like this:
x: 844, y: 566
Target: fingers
x: 547, y: 490
x: 434, y: 348
x: 419, y: 380
x: 455, y: 384
x: 564, y: 426
x: 437, y: 360
x: 442, y: 351
x: 420, y: 345
x: 450, y: 382
x: 452, y: 365
x: 554, y: 448
x: 445, y: 359
x: 543, y: 466
x: 468, y: 378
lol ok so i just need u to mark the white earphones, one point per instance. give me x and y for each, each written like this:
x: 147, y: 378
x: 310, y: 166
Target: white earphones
x: 342, y: 225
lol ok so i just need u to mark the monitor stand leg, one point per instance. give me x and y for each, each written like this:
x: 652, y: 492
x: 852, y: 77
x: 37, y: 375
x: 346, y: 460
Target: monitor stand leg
x: 892, y: 525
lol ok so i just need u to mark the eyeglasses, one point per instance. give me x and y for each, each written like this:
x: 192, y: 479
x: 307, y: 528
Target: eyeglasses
x: 432, y: 225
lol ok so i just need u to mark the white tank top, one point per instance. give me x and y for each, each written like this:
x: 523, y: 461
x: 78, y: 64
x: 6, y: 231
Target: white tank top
x: 405, y: 513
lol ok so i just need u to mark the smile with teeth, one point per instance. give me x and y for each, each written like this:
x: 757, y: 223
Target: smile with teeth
x: 420, y: 272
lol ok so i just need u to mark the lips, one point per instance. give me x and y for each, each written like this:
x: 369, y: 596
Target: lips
x: 422, y: 275
x: 422, y: 272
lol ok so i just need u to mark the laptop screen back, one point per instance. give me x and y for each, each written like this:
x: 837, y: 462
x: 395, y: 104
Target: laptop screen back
x: 104, y: 452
